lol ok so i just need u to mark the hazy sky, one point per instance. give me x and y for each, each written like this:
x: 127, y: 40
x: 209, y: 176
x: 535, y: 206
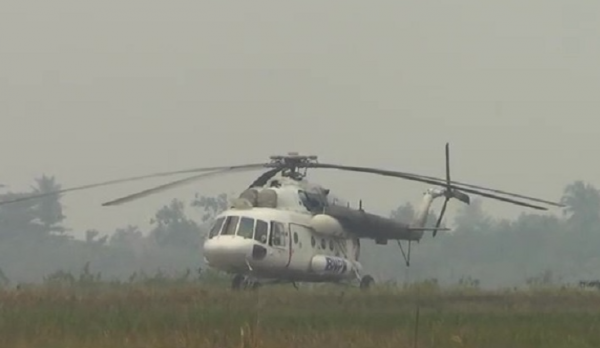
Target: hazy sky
x: 90, y: 92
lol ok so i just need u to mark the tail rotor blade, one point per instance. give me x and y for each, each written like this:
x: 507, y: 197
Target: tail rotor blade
x: 439, y: 221
x: 448, y: 192
x: 448, y: 165
x: 463, y: 197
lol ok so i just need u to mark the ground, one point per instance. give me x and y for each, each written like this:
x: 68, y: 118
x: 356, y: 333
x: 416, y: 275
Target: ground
x: 194, y: 315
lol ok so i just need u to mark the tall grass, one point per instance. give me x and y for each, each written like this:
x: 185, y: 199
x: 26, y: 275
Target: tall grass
x: 86, y: 312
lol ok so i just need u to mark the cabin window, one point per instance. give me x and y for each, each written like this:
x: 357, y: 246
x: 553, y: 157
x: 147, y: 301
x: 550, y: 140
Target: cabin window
x: 331, y: 245
x: 261, y: 231
x: 216, y: 227
x: 313, y: 242
x: 295, y: 238
x: 230, y: 225
x: 323, y: 244
x: 279, y: 234
x: 246, y: 227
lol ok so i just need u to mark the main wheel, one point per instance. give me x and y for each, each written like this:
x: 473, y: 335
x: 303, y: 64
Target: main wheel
x: 255, y: 285
x: 366, y: 282
x: 237, y: 282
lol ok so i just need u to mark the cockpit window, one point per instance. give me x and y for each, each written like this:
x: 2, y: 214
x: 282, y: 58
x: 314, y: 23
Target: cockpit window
x: 261, y: 231
x: 230, y: 225
x: 216, y: 227
x: 246, y: 227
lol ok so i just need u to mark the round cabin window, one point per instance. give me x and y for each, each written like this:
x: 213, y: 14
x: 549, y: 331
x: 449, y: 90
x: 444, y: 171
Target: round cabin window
x: 323, y: 244
x: 331, y: 245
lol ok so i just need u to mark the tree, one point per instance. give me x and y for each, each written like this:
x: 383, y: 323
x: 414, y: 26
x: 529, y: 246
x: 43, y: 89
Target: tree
x: 528, y: 234
x: 17, y: 219
x: 33, y: 218
x: 173, y: 228
x: 406, y: 214
x: 583, y: 205
x: 211, y: 206
x: 127, y: 236
x: 471, y: 219
x: 90, y: 237
x: 48, y: 210
x: 582, y: 210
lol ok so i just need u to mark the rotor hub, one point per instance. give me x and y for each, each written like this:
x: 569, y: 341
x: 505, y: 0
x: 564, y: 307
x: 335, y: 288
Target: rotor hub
x: 292, y: 159
x: 291, y: 162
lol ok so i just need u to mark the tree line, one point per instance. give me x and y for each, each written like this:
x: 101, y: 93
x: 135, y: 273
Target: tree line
x: 531, y: 247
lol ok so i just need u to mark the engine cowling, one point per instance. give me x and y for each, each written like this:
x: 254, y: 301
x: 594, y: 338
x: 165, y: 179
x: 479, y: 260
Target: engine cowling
x: 327, y: 226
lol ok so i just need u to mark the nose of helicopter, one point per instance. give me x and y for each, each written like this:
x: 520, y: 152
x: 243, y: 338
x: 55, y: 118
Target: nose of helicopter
x: 228, y: 251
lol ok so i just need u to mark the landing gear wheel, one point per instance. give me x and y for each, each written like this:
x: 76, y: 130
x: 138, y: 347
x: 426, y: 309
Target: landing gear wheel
x: 237, y: 282
x: 366, y: 282
x: 255, y: 285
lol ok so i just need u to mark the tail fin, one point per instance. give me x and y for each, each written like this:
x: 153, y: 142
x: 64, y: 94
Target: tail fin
x: 421, y: 214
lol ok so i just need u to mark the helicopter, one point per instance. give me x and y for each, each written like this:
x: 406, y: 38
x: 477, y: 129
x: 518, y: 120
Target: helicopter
x: 284, y: 228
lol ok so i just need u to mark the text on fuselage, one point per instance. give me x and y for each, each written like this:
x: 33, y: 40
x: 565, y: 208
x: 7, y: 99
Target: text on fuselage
x: 335, y: 265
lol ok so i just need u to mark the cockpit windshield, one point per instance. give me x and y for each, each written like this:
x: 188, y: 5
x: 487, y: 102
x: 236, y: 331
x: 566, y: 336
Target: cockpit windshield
x: 216, y: 227
x: 246, y: 227
x: 230, y: 226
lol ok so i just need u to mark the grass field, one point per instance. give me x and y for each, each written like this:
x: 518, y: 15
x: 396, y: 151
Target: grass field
x: 193, y: 315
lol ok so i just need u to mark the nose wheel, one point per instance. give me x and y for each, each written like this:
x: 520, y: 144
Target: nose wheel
x: 237, y: 281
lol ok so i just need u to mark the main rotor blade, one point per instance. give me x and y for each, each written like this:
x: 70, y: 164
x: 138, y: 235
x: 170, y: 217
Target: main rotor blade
x: 265, y: 177
x: 171, y: 185
x: 448, y: 182
x: 416, y: 177
x: 136, y: 178
x: 456, y: 184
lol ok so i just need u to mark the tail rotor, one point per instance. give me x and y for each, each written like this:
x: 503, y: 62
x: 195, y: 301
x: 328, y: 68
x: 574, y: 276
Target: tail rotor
x: 449, y: 192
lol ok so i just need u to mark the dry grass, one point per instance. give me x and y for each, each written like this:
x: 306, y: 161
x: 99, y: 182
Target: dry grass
x: 191, y: 315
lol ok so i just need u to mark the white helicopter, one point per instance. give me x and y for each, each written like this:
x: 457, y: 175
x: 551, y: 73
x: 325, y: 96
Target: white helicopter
x: 285, y: 229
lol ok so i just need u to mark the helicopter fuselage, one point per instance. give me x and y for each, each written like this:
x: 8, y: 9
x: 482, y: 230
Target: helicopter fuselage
x: 279, y: 244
